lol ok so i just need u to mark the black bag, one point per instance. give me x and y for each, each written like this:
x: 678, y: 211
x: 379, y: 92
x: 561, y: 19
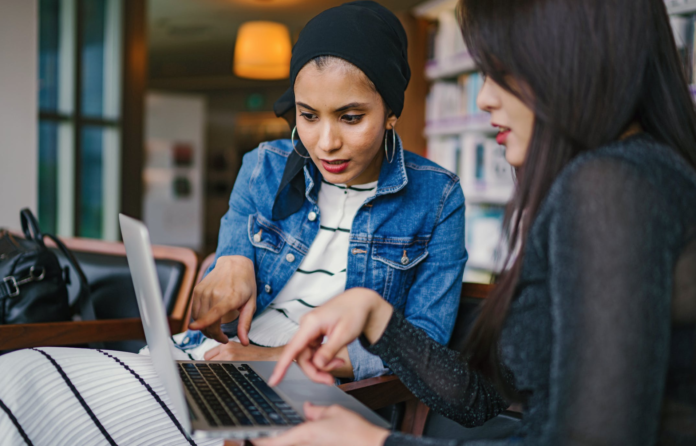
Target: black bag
x: 33, y: 286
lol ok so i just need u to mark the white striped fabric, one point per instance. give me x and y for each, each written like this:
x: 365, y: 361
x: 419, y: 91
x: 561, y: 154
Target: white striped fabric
x: 67, y: 396
x: 322, y: 274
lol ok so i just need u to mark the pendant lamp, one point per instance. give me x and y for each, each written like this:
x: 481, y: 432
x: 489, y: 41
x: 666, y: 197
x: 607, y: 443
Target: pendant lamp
x: 262, y: 51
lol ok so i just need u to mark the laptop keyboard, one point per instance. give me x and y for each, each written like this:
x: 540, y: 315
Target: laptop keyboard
x: 230, y: 395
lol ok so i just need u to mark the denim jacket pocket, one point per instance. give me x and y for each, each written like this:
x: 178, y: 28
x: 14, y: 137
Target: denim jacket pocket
x: 401, y: 256
x: 394, y: 264
x: 263, y: 234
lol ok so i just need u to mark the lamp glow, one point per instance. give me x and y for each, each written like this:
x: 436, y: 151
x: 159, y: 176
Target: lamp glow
x: 262, y: 51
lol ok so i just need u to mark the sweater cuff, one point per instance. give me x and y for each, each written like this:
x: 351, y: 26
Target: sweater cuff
x: 389, y: 337
x: 400, y: 439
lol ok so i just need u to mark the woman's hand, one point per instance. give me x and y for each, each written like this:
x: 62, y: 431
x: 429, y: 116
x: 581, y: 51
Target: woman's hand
x: 331, y: 425
x: 234, y: 351
x: 341, y: 320
x: 228, y: 292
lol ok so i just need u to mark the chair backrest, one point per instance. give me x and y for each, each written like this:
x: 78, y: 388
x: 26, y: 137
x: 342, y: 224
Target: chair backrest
x: 111, y: 287
x: 471, y: 298
x: 420, y: 420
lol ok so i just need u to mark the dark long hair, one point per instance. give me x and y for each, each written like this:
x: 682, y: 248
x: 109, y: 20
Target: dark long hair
x: 590, y: 68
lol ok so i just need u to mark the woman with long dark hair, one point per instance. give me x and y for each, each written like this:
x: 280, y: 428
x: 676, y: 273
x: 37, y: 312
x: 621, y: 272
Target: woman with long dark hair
x: 592, y: 325
x: 339, y: 205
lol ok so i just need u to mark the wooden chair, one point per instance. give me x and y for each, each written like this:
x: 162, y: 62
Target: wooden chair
x: 176, y: 268
x: 383, y: 391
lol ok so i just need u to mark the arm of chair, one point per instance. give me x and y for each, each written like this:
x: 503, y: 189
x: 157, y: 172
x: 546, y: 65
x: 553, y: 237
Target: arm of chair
x: 13, y: 337
x: 378, y: 392
x: 383, y: 391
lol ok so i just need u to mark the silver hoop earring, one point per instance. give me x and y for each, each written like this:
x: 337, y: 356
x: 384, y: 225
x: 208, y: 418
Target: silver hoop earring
x: 292, y: 141
x: 386, y: 151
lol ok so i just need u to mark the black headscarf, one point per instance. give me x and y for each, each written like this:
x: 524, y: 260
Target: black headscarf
x: 363, y: 33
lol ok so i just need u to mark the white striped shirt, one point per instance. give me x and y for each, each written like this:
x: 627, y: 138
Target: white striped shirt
x: 322, y: 274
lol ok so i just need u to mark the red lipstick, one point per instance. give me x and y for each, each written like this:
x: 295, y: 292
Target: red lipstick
x: 501, y: 137
x: 335, y: 166
x: 503, y: 133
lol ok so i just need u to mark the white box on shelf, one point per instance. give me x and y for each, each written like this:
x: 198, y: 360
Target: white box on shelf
x: 433, y: 8
x: 445, y: 152
x: 485, y: 174
x: 472, y: 275
x: 450, y: 57
x: 449, y: 67
x: 680, y: 6
x: 498, y: 170
x: 483, y: 237
x: 479, y: 123
x: 472, y: 162
x: 449, y: 40
x: 680, y: 28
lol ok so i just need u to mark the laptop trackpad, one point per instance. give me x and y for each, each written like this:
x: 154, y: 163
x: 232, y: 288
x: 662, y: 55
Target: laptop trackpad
x: 298, y: 388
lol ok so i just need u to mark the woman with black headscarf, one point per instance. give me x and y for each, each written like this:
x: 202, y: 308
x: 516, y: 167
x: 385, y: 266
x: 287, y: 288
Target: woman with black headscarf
x: 360, y: 211
x: 340, y: 205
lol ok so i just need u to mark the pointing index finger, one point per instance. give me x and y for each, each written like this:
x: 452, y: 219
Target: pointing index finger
x: 213, y: 315
x: 297, y: 344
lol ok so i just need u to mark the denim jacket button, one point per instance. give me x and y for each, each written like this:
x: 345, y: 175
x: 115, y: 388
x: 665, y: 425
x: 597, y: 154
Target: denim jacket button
x: 312, y: 216
x: 404, y: 260
x: 268, y: 289
x: 290, y: 258
x: 257, y: 237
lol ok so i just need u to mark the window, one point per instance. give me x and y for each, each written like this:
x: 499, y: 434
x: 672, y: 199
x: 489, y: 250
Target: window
x: 80, y: 65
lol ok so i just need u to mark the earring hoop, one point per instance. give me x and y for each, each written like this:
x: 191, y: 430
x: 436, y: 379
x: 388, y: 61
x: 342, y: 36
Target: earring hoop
x: 386, y: 151
x: 292, y: 142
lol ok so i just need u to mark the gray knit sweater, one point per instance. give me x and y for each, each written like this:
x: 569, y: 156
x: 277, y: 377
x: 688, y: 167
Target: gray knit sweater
x: 601, y: 335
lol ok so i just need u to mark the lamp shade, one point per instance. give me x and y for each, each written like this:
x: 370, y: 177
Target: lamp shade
x: 262, y: 51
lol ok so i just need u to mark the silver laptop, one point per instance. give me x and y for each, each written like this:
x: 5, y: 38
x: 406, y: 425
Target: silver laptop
x: 220, y: 399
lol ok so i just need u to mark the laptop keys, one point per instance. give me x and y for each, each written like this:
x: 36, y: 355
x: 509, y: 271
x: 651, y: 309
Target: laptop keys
x: 194, y: 389
x: 271, y: 394
x: 235, y: 398
x: 278, y: 410
x: 224, y: 389
x: 242, y: 389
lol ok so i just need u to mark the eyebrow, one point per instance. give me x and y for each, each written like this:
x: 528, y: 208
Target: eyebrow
x: 340, y: 109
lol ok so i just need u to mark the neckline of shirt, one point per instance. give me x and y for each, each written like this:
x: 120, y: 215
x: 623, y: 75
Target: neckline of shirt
x: 367, y: 187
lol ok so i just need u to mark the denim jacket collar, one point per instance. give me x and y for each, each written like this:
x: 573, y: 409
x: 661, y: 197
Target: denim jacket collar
x: 312, y: 178
x: 392, y: 176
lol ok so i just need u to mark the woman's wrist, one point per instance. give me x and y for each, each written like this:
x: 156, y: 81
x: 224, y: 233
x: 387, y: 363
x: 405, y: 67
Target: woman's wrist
x: 379, y: 313
x: 236, y: 261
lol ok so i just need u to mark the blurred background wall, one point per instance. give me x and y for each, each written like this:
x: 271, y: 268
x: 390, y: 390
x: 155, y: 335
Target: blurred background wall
x: 147, y: 107
x: 18, y: 81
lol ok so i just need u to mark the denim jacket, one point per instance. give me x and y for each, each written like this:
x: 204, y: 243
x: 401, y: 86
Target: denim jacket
x: 406, y: 243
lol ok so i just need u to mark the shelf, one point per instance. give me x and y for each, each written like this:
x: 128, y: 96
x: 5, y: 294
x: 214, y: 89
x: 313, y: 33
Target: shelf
x: 450, y: 67
x: 472, y: 275
x: 681, y: 6
x: 432, y: 8
x: 456, y: 125
x: 488, y: 198
x: 480, y: 265
x: 497, y: 197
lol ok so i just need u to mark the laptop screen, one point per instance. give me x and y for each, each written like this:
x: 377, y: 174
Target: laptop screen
x: 141, y: 262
